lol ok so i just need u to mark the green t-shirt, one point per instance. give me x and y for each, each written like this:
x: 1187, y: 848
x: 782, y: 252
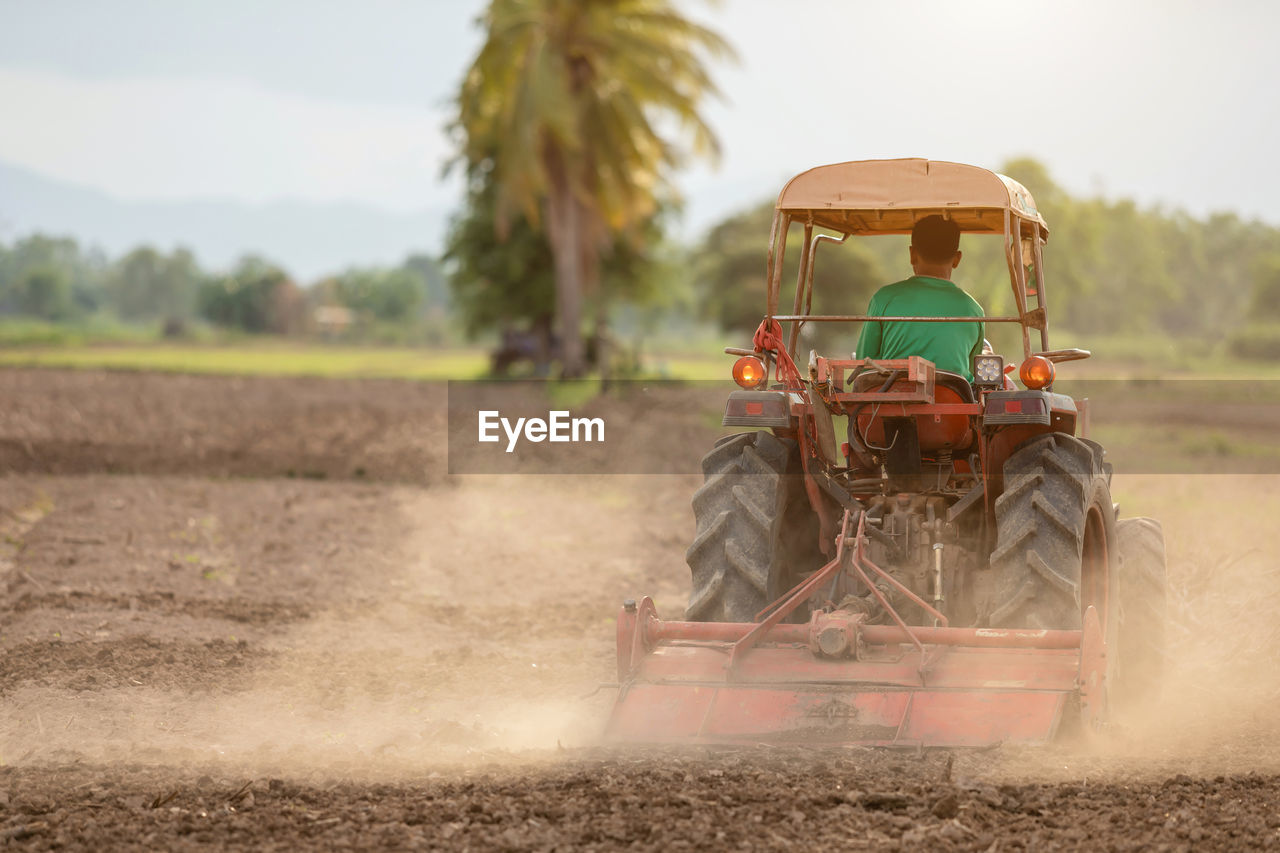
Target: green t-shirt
x: 950, y: 346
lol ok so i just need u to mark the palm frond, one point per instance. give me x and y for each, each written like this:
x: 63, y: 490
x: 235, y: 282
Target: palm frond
x: 602, y: 83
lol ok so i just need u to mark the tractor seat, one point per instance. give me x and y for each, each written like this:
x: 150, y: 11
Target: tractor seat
x: 870, y: 380
x: 933, y: 432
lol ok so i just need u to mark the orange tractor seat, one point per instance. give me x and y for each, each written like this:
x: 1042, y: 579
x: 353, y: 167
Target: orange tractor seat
x: 936, y: 431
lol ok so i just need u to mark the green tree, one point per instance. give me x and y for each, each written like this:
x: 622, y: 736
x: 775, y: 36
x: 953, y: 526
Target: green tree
x: 146, y: 285
x: 392, y: 295
x: 508, y: 281
x: 81, y: 271
x: 498, y: 281
x: 563, y: 104
x: 732, y: 284
x: 1113, y: 266
x: 436, y: 286
x: 437, y: 320
x: 1266, y: 288
x: 43, y: 291
x: 256, y: 296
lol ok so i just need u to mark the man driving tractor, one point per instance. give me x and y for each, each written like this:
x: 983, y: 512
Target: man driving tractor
x: 935, y: 253
x: 952, y: 575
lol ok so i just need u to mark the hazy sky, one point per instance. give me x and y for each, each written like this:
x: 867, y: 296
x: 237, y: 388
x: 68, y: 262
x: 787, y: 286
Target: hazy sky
x: 1170, y: 102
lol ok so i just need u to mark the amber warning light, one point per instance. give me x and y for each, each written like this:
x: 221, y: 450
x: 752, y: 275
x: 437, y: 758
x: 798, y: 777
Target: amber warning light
x: 749, y: 372
x: 1036, y: 372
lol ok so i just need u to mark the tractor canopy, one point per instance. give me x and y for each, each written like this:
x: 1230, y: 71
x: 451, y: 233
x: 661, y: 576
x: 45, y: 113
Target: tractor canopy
x: 882, y: 197
x: 888, y: 196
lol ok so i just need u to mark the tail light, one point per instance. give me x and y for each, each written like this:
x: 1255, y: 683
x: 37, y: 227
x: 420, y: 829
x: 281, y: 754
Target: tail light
x: 1036, y: 372
x: 749, y: 372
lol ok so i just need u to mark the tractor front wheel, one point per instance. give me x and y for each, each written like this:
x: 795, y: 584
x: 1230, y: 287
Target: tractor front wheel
x: 1143, y: 609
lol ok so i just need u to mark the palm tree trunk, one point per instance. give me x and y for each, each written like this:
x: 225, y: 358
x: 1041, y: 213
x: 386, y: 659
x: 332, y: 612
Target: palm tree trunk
x: 591, y: 264
x: 565, y: 232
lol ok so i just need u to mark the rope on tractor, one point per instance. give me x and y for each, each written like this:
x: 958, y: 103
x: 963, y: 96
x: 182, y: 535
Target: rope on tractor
x: 768, y: 337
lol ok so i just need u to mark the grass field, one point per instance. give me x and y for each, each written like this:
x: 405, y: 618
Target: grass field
x: 262, y: 359
x: 700, y: 358
x: 271, y: 358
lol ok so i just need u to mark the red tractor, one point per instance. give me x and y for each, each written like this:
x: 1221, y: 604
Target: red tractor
x: 892, y: 554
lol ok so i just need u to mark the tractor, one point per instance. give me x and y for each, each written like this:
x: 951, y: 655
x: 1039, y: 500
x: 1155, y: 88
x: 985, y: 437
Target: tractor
x: 889, y: 553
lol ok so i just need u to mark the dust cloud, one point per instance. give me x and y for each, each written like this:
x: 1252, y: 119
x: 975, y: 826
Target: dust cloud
x: 474, y: 635
x: 1216, y: 712
x: 479, y: 635
x: 489, y: 662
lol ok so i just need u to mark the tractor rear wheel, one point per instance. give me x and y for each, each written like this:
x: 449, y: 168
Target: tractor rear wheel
x: 1055, y: 549
x: 755, y: 531
x: 1143, y: 608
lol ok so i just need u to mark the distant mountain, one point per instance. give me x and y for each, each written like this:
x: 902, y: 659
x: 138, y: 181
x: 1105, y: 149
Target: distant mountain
x: 308, y: 239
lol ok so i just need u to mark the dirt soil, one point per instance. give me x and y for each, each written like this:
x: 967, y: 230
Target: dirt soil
x: 259, y: 614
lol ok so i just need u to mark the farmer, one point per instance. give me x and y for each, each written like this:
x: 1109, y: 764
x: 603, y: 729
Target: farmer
x: 935, y: 252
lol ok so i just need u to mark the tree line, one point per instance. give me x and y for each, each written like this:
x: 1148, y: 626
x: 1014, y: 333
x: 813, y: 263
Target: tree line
x: 56, y: 279
x: 1112, y: 267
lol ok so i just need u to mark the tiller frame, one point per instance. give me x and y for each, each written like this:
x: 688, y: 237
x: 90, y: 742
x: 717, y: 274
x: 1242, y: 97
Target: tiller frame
x: 839, y: 680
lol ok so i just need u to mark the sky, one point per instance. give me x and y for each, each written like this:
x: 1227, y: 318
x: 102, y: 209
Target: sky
x: 1169, y: 102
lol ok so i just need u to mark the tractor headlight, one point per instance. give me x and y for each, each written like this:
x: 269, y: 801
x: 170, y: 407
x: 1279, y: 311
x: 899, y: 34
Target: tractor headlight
x: 988, y: 370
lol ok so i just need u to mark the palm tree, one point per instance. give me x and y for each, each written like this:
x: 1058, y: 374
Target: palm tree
x: 562, y: 104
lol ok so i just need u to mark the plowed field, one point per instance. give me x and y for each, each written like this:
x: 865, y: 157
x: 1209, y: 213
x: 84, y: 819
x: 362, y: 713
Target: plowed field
x: 259, y: 614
